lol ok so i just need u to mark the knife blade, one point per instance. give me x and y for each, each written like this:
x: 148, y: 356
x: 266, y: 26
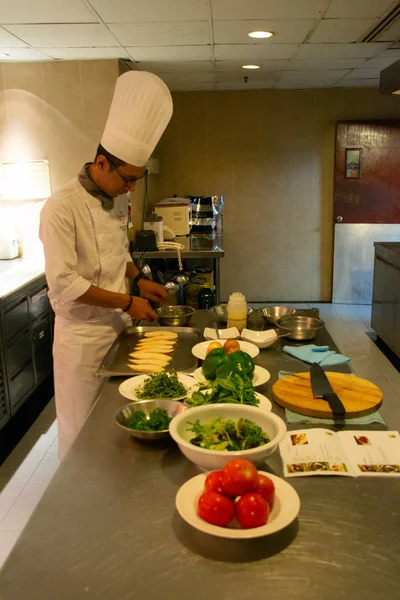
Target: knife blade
x: 321, y: 388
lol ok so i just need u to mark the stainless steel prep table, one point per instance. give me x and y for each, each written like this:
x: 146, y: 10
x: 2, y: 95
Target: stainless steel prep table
x: 195, y: 246
x: 106, y: 528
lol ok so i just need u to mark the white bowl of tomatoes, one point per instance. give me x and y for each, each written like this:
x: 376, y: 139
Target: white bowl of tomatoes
x: 181, y: 430
x: 238, y: 502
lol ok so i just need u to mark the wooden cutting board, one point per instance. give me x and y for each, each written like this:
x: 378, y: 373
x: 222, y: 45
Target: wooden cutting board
x: 359, y: 396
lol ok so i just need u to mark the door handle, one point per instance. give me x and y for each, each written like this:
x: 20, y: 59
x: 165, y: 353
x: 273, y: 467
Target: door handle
x: 339, y: 219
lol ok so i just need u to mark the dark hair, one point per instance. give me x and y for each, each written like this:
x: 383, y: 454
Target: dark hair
x: 113, y: 160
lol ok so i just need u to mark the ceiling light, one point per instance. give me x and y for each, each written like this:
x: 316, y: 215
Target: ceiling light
x: 260, y: 34
x: 251, y: 67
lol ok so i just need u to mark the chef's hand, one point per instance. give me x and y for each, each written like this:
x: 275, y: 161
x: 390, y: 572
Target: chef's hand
x: 141, y: 310
x: 153, y: 291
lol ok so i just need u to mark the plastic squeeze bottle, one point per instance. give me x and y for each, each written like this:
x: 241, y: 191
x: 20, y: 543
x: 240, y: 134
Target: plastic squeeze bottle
x: 237, y: 311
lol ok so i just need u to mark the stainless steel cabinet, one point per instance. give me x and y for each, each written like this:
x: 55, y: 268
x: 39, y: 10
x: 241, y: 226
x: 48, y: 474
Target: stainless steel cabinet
x: 385, y: 318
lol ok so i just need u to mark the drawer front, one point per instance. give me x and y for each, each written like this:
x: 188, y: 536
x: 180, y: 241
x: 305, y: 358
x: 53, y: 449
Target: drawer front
x: 21, y: 385
x: 43, y: 364
x: 16, y: 318
x: 19, y: 355
x: 41, y: 335
x: 39, y: 303
x: 4, y: 412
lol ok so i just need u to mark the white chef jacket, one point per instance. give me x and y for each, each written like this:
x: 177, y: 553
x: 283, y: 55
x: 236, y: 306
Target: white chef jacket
x: 84, y: 244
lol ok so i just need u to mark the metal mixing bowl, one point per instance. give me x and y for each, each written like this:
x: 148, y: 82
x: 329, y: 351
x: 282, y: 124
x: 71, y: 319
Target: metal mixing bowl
x: 272, y: 313
x: 220, y: 312
x: 174, y: 316
x: 300, y: 328
x: 124, y: 416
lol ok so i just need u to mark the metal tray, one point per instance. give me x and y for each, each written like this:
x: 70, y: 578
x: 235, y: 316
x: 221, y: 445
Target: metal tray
x: 114, y: 364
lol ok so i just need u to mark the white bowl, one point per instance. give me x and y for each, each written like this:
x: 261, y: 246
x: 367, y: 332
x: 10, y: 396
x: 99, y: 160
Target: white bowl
x: 261, y: 339
x: 260, y: 376
x: 285, y: 509
x: 224, y: 334
x: 128, y: 387
x: 209, y: 460
x: 265, y: 404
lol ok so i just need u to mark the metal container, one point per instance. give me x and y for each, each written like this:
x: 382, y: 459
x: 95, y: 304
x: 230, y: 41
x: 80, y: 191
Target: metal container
x: 174, y: 316
x: 220, y: 312
x: 272, y: 313
x: 300, y: 328
x: 124, y: 415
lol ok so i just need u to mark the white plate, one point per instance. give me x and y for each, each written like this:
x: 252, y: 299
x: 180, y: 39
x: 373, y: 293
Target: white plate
x: 129, y: 386
x: 265, y: 404
x: 260, y: 376
x: 285, y: 509
x: 224, y: 334
x: 200, y: 350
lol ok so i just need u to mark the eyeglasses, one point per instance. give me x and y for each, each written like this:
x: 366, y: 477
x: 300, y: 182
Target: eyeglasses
x: 129, y: 180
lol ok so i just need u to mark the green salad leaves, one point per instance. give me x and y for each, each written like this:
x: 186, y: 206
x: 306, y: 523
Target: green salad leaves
x: 217, y: 434
x: 164, y: 385
x: 233, y: 388
x: 156, y: 420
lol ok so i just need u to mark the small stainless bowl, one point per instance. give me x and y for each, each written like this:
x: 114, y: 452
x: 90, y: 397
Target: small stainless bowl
x: 272, y: 313
x: 124, y: 415
x: 299, y: 328
x: 174, y: 316
x: 220, y: 312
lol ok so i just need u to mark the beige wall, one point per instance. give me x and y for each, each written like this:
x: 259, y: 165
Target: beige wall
x: 271, y: 154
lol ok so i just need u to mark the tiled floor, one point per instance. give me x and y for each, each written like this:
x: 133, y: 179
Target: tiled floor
x: 28, y: 470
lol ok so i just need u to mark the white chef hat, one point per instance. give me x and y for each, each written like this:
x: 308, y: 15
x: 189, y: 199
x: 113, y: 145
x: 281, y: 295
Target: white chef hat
x: 140, y: 111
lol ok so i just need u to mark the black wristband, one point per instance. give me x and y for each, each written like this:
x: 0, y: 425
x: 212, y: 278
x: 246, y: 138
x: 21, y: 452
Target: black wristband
x: 127, y: 307
x: 138, y: 277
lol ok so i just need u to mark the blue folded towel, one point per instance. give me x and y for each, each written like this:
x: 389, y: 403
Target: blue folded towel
x: 316, y: 354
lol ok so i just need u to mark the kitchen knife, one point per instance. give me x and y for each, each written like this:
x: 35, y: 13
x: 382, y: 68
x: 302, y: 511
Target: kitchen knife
x: 321, y: 388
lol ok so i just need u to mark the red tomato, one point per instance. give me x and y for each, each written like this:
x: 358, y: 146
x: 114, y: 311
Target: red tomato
x: 239, y: 477
x: 213, y: 483
x: 266, y: 488
x: 252, y: 511
x: 215, y: 508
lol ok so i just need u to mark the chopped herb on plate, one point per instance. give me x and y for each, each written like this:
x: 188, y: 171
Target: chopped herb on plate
x: 164, y: 385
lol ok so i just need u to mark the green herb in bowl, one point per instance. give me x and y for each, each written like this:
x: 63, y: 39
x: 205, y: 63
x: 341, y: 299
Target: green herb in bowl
x: 216, y: 434
x: 162, y: 385
x: 156, y: 420
x: 230, y: 389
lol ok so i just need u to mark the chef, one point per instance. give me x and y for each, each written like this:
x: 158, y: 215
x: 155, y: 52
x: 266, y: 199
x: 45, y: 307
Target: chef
x: 86, y: 250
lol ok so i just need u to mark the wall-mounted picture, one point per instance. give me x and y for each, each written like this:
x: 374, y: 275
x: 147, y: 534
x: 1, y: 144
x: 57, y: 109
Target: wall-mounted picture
x: 353, y: 163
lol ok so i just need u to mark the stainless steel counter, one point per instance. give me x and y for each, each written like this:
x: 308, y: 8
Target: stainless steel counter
x: 107, y: 528
x: 16, y: 273
x: 196, y: 245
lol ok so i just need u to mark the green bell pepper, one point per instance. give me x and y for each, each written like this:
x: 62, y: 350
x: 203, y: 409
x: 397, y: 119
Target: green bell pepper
x: 213, y: 360
x: 230, y: 367
x: 244, y: 359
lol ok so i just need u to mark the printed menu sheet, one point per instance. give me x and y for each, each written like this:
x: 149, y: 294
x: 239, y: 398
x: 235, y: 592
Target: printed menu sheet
x: 350, y: 453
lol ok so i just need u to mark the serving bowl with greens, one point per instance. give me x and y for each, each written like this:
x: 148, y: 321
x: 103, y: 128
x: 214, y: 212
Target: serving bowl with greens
x: 211, y: 435
x: 167, y: 385
x: 149, y: 419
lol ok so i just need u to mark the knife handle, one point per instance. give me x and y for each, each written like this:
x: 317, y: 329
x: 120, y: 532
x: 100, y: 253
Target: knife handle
x: 335, y: 404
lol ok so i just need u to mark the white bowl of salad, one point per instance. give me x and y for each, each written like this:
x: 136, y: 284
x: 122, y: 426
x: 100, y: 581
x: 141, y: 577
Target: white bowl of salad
x: 211, y: 435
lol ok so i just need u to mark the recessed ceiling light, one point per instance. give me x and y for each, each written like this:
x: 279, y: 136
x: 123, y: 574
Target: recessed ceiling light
x: 251, y: 67
x: 260, y: 34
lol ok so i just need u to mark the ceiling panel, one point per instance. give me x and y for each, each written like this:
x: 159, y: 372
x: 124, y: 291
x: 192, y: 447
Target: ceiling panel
x: 135, y: 11
x: 393, y: 53
x: 162, y: 34
x: 247, y: 52
x: 391, y: 34
x: 177, y: 66
x: 298, y: 64
x: 10, y: 41
x: 85, y: 53
x: 332, y: 74
x: 295, y: 85
x: 378, y: 63
x: 170, y: 53
x: 64, y: 36
x: 45, y: 11
x: 188, y: 86
x: 267, y: 9
x: 22, y: 54
x: 290, y: 31
x: 363, y: 74
x: 341, y: 50
x: 365, y: 83
x: 236, y: 66
x: 341, y: 30
x: 345, y: 9
x: 261, y: 75
x: 241, y: 86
